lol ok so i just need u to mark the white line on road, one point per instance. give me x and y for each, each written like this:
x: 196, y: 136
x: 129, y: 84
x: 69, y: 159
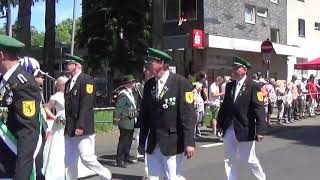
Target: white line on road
x: 211, y: 145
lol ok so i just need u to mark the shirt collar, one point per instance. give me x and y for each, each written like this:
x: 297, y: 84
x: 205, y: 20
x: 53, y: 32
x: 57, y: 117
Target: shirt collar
x: 164, y: 78
x: 8, y: 74
x: 75, y: 77
x: 240, y: 82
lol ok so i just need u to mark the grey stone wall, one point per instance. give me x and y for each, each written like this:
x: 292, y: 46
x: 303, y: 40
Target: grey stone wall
x: 226, y: 18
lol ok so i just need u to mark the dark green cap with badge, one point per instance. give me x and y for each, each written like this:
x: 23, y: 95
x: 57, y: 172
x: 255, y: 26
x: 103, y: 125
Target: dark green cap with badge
x: 8, y: 43
x: 241, y: 62
x: 158, y: 55
x: 73, y: 59
x: 128, y: 78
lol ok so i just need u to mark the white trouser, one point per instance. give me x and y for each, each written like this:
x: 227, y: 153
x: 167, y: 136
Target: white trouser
x: 82, y: 146
x: 247, y: 154
x: 168, y: 167
x: 135, y: 143
x: 312, y: 104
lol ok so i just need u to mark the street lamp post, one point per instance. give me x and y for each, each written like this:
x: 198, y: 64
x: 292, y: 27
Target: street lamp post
x: 73, y: 26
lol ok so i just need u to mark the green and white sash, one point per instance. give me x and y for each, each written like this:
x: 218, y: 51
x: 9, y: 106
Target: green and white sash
x: 9, y: 139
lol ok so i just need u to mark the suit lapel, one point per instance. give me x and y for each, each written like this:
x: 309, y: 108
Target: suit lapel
x: 77, y: 83
x: 242, y: 89
x: 166, y: 86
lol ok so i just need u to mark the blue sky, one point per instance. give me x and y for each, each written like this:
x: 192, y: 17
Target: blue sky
x: 63, y: 11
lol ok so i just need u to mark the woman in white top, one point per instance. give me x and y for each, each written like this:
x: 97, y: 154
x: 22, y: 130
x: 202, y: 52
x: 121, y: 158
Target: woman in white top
x: 53, y: 165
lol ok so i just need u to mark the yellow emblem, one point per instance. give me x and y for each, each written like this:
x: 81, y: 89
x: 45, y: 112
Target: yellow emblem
x: 28, y: 108
x: 89, y: 88
x: 259, y: 96
x: 189, y: 97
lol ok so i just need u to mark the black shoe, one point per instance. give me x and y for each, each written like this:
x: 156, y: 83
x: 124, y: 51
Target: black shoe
x: 121, y: 164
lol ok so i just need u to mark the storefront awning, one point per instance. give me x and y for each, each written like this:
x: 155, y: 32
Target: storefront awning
x: 309, y: 65
x: 248, y: 45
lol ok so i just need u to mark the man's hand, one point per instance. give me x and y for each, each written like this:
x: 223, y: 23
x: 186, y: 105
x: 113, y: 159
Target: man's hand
x: 259, y: 137
x: 78, y: 132
x: 141, y: 150
x: 189, y: 151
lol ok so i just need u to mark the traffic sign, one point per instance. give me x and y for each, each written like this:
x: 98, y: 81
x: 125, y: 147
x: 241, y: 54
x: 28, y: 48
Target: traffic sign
x: 266, y: 46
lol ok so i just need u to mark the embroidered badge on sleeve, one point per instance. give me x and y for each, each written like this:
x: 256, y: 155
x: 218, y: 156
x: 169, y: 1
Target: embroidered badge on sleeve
x: 189, y: 97
x: 260, y: 96
x: 89, y: 88
x: 28, y: 108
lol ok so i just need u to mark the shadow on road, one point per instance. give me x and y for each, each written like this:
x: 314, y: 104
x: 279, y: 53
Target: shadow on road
x: 118, y: 176
x: 125, y: 177
x: 305, y: 134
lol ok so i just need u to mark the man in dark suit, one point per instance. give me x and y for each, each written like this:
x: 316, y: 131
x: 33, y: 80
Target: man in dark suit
x: 242, y: 120
x: 79, y: 129
x: 167, y: 118
x: 20, y: 126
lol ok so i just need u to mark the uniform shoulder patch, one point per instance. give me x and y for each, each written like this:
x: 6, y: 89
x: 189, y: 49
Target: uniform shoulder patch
x: 260, y: 96
x: 89, y: 88
x: 189, y: 97
x: 29, y: 108
x: 21, y: 78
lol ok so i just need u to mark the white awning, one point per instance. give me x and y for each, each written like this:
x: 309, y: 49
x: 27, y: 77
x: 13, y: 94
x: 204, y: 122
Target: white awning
x: 251, y: 46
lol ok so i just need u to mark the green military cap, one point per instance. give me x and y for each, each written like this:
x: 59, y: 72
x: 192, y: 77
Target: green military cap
x: 128, y: 78
x: 69, y: 58
x: 159, y: 55
x: 8, y: 43
x: 241, y: 62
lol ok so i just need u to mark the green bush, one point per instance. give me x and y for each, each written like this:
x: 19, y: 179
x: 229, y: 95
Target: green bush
x: 103, y: 119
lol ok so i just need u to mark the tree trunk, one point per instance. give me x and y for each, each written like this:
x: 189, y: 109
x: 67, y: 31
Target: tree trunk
x: 24, y: 19
x: 49, y: 39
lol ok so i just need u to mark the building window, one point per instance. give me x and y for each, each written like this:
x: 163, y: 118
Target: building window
x: 176, y: 9
x: 275, y: 35
x: 275, y: 1
x: 250, y: 14
x: 301, y: 28
x: 299, y: 72
x: 317, y: 26
x: 263, y: 12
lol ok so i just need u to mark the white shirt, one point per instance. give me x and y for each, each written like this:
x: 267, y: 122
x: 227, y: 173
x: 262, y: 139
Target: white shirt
x: 74, y: 79
x: 238, y: 86
x: 8, y: 74
x: 214, y: 89
x: 161, y: 82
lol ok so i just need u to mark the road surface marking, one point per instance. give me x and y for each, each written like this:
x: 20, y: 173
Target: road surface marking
x: 211, y: 145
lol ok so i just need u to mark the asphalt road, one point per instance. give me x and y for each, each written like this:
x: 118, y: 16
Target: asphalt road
x: 289, y: 152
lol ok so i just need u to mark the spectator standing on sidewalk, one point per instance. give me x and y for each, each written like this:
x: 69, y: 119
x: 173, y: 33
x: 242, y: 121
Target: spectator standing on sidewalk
x: 199, y: 107
x: 280, y: 89
x: 302, y: 90
x: 214, y: 100
x: 79, y: 129
x: 294, y: 93
x: 271, y: 98
x: 168, y: 119
x: 242, y: 120
x: 312, y: 95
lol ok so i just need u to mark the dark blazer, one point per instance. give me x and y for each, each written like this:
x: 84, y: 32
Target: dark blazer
x: 170, y: 123
x: 246, y: 113
x: 22, y: 97
x: 79, y: 102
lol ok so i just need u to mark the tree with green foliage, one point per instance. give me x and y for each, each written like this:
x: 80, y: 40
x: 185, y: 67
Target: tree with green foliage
x: 103, y: 22
x: 64, y: 30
